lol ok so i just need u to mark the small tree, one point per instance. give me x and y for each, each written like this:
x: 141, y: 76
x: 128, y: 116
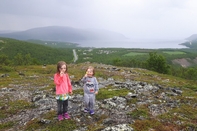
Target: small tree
x: 117, y: 62
x: 18, y: 59
x: 191, y: 74
x: 157, y: 63
x: 27, y: 60
x: 4, y: 60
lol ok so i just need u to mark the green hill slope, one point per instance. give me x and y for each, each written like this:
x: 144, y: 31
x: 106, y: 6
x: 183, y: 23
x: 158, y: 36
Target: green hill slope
x: 43, y: 54
x: 139, y: 98
x: 191, y: 44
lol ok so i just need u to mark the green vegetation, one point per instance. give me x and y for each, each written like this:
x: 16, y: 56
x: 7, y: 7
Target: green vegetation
x: 134, y: 54
x: 27, y: 59
x: 191, y: 44
x: 140, y: 112
x: 12, y: 107
x: 54, y: 44
x: 6, y: 125
x: 109, y: 92
x: 185, y: 113
x: 157, y: 63
x: 15, y: 52
x: 55, y: 126
x: 159, y: 60
x: 174, y: 52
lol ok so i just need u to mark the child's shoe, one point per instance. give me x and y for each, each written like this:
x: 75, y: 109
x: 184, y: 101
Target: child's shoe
x: 86, y: 110
x: 66, y: 116
x: 60, y: 117
x: 91, y: 112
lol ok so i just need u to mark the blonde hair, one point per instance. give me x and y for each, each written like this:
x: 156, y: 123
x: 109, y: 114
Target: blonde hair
x: 92, y: 68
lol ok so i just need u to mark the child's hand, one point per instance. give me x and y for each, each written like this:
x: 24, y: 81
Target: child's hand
x: 71, y: 93
x: 86, y: 74
x: 61, y: 73
x: 96, y: 93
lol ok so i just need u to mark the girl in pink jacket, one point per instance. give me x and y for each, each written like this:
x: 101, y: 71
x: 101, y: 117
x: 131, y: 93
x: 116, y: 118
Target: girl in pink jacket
x: 63, y: 89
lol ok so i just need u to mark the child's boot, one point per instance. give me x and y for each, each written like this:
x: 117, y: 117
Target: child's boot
x: 66, y: 116
x: 60, y: 117
x: 86, y: 110
x: 91, y: 112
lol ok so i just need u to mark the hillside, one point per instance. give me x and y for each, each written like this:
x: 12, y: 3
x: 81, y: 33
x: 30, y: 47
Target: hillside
x: 191, y: 42
x: 192, y: 37
x: 130, y: 99
x: 48, y: 52
x: 64, y: 34
x: 41, y: 53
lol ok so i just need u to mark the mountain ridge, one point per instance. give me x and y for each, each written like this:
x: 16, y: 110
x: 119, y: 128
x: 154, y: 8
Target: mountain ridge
x: 192, y: 37
x: 64, y: 33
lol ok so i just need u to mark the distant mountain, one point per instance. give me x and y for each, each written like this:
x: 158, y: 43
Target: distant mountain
x: 192, y: 37
x: 6, y: 31
x: 191, y: 42
x: 60, y: 33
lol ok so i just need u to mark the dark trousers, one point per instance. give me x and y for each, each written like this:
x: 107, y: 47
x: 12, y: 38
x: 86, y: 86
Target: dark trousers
x: 62, y: 107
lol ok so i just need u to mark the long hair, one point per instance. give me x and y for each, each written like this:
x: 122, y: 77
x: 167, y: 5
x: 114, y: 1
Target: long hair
x: 60, y: 64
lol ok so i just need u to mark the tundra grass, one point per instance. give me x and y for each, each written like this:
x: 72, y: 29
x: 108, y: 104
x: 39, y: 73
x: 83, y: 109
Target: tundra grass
x: 13, y: 107
x: 7, y: 125
x: 174, y: 52
x: 110, y: 92
x: 135, y: 54
x: 41, y: 78
x: 141, y: 111
x: 53, y: 125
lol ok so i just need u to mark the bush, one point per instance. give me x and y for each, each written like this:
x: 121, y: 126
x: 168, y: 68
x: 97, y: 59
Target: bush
x: 157, y: 63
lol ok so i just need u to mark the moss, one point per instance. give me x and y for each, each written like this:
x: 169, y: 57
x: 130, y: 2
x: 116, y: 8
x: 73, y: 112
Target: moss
x: 185, y: 113
x: 78, y: 91
x: 13, y: 107
x: 109, y: 92
x: 141, y: 111
x: 152, y: 124
x: 66, y: 125
x: 54, y: 125
x: 7, y: 125
x: 96, y: 123
x: 132, y: 101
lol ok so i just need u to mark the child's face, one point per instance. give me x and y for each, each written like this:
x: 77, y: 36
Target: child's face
x: 89, y: 72
x: 63, y: 68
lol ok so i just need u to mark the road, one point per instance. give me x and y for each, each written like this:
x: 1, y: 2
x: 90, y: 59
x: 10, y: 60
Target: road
x: 75, y: 55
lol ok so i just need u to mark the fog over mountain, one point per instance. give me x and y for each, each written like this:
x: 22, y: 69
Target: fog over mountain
x: 62, y: 33
x: 135, y: 19
x: 192, y: 37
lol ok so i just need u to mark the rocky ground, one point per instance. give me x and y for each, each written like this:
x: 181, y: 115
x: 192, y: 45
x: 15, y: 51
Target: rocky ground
x: 116, y: 112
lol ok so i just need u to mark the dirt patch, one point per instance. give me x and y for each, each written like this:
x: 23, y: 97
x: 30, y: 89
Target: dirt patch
x: 195, y: 60
x: 185, y: 62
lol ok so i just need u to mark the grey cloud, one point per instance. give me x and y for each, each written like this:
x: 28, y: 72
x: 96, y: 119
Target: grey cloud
x: 140, y: 18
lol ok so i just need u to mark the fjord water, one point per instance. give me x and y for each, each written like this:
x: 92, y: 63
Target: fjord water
x: 137, y: 43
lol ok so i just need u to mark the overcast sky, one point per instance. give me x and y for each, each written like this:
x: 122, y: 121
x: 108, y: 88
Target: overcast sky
x: 158, y: 19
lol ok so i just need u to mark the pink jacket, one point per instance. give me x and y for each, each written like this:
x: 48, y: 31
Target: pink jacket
x: 63, y: 84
